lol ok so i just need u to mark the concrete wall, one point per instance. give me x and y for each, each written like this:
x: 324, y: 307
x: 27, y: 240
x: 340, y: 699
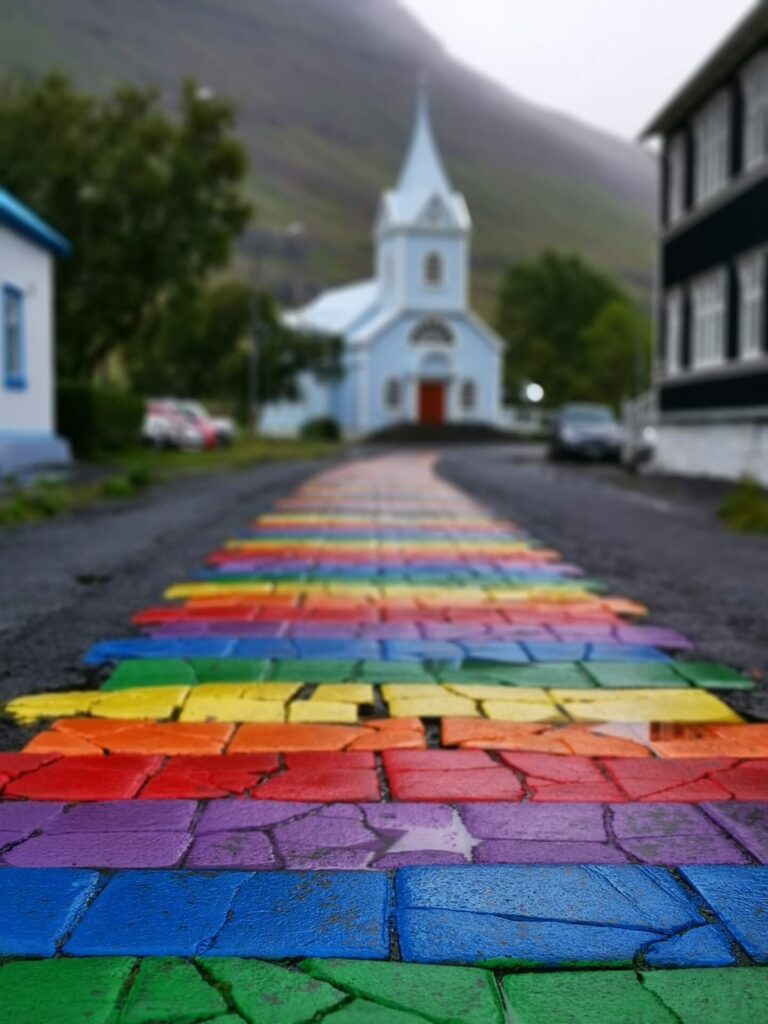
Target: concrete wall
x: 29, y: 268
x: 723, y: 450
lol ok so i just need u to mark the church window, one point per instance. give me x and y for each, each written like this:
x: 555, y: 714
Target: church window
x: 392, y: 393
x: 468, y: 395
x: 434, y: 330
x: 433, y: 269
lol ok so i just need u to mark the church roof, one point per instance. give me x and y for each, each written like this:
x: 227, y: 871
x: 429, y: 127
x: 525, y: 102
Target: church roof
x: 338, y: 310
x: 423, y: 191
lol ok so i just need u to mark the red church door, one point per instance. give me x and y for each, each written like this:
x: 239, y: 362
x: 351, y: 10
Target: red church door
x: 431, y: 402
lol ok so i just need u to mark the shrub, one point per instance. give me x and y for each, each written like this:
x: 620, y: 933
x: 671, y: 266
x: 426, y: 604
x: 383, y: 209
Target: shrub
x: 96, y: 420
x: 745, y: 508
x: 322, y: 428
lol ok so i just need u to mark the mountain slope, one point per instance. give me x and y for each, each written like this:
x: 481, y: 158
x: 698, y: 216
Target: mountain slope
x: 325, y: 94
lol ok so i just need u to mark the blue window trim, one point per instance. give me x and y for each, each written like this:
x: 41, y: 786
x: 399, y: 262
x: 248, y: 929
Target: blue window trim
x: 17, y: 381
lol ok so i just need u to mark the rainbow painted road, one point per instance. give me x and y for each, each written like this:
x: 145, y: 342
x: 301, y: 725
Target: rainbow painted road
x: 385, y: 758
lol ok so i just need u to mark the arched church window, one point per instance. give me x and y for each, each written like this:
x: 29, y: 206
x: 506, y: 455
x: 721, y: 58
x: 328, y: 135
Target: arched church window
x: 392, y: 393
x: 433, y: 269
x: 432, y: 329
x: 468, y: 395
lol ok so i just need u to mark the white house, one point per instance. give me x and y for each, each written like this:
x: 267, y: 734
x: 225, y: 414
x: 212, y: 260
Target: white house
x: 27, y: 427
x: 414, y: 351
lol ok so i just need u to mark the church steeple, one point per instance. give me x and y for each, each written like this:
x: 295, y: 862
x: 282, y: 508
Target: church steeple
x: 422, y: 175
x: 422, y: 230
x: 423, y: 193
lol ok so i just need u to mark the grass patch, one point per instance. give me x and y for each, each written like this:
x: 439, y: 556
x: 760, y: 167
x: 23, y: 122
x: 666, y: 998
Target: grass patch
x: 242, y: 455
x: 138, y: 469
x: 745, y: 508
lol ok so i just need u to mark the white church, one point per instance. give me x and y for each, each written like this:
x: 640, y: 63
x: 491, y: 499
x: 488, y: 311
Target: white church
x: 414, y: 352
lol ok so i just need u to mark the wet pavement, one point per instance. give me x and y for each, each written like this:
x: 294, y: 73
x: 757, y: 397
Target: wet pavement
x: 386, y: 757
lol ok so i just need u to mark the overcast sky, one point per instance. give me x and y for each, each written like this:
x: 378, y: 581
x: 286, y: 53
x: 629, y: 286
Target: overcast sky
x: 608, y: 62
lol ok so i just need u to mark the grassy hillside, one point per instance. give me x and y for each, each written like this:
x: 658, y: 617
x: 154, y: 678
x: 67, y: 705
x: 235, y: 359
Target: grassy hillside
x: 325, y: 93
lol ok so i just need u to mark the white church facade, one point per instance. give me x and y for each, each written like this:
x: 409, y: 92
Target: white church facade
x: 413, y: 350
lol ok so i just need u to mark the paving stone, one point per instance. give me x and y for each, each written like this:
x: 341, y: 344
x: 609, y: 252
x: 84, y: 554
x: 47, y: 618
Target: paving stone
x: 440, y: 994
x: 126, y: 849
x: 155, y: 913
x: 323, y: 711
x: 447, y: 777
x: 691, y: 781
x: 672, y: 834
x: 644, y: 706
x: 203, y: 777
x: 712, y: 676
x: 542, y: 916
x: 345, y: 780
x: 569, y: 739
x: 98, y: 736
x: 21, y: 819
x: 40, y: 907
x: 747, y: 741
x: 159, y: 672
x: 63, y: 991
x: 563, y: 779
x: 270, y: 994
x: 235, y: 850
x: 165, y: 989
x: 739, y: 897
x: 710, y: 997
x: 746, y: 822
x: 290, y: 914
x: 634, y: 675
x: 585, y: 997
x: 70, y: 780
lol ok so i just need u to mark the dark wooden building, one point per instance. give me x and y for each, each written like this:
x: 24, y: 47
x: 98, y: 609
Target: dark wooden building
x: 712, y: 354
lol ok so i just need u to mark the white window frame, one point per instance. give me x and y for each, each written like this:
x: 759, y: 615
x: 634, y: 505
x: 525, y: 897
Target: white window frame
x: 673, y: 331
x: 709, y: 318
x: 754, y: 81
x: 676, y: 175
x: 712, y: 147
x: 751, y: 269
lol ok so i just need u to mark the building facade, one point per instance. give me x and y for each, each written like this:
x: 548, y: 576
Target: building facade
x: 28, y: 247
x: 413, y: 350
x: 712, y: 353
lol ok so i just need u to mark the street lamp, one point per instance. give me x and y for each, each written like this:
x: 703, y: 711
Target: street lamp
x: 533, y: 393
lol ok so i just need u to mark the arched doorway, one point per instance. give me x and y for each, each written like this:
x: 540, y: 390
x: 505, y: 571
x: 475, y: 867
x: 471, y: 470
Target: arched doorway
x: 434, y: 374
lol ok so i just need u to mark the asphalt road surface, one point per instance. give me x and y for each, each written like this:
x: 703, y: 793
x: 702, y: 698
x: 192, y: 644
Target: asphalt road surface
x: 67, y: 584
x: 658, y: 542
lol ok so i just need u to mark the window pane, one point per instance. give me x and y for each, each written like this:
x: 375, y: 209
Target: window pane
x: 751, y: 305
x: 14, y: 356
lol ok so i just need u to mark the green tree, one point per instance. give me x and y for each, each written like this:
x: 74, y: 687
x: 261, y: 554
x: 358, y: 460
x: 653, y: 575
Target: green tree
x: 201, y: 347
x: 619, y: 345
x: 151, y: 203
x: 569, y: 327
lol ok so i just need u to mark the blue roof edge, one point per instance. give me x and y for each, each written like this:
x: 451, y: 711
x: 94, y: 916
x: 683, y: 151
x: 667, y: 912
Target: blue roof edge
x: 21, y: 219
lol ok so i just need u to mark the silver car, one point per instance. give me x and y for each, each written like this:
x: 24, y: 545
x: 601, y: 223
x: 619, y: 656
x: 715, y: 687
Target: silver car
x: 586, y: 431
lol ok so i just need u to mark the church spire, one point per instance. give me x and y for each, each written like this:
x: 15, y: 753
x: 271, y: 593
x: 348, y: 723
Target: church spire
x: 423, y: 174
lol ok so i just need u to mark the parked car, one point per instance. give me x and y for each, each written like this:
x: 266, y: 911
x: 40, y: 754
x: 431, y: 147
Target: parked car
x: 586, y: 431
x: 223, y: 427
x: 165, y: 426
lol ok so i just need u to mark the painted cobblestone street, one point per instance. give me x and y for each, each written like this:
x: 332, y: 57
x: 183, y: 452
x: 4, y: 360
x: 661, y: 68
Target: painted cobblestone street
x: 384, y: 758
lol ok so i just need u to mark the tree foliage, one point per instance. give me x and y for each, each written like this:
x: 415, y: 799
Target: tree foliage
x: 572, y: 329
x: 151, y: 203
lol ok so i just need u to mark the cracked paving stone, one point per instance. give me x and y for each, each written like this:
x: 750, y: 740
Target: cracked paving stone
x: 747, y: 823
x: 739, y: 896
x: 644, y: 706
x: 549, y: 916
x: 63, y: 991
x: 39, y: 908
x: 563, y: 779
x: 442, y: 995
x: 694, y: 780
x: 95, y: 736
